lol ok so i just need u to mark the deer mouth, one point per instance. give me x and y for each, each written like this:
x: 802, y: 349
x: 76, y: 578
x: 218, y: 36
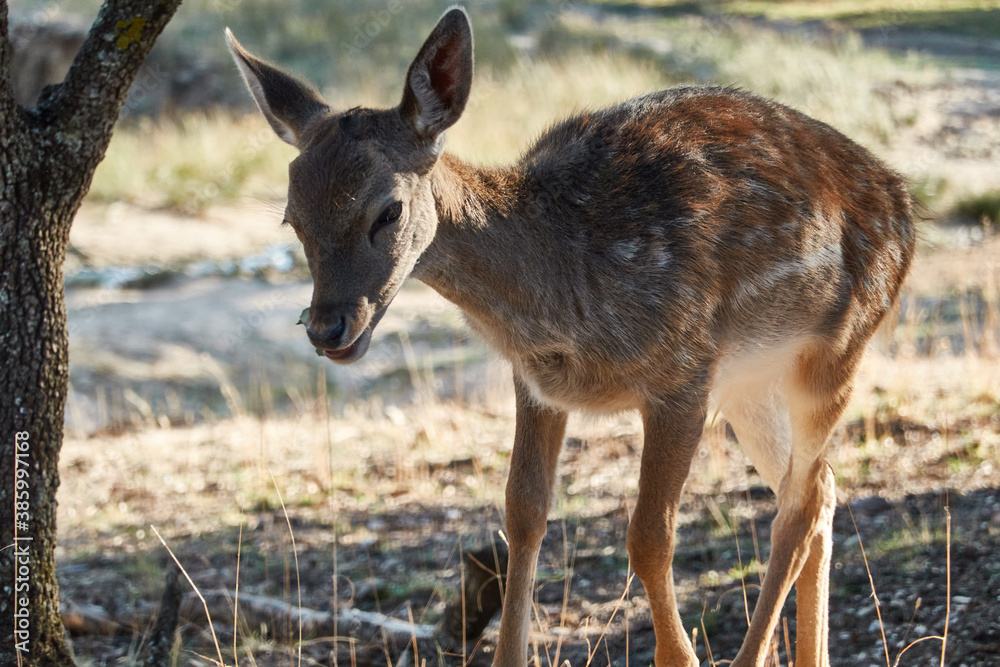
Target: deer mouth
x: 357, y: 349
x: 352, y: 352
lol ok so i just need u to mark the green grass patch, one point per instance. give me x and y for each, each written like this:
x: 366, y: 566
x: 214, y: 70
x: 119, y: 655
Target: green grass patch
x: 929, y: 190
x: 906, y: 543
x: 749, y: 569
x: 968, y: 456
x: 985, y: 206
x: 144, y: 572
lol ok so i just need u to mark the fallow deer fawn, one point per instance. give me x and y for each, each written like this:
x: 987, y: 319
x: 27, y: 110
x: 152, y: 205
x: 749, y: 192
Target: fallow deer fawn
x: 694, y: 249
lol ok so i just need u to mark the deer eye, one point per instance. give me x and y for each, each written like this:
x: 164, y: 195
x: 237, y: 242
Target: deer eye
x: 387, y: 217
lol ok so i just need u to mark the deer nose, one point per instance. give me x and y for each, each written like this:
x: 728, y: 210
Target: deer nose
x: 327, y: 336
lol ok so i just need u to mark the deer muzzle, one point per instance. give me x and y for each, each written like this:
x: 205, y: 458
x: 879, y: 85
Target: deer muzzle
x: 343, y: 334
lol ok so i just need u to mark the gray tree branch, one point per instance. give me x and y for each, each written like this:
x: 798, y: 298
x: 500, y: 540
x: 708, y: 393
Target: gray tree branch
x: 7, y: 104
x: 95, y: 89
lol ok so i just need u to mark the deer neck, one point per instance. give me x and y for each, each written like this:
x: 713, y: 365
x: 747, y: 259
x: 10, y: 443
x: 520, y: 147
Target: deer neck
x: 484, y: 256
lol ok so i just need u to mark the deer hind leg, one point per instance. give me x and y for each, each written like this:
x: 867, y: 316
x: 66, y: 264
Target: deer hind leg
x: 832, y: 377
x: 812, y: 620
x: 802, y: 411
x: 672, y: 431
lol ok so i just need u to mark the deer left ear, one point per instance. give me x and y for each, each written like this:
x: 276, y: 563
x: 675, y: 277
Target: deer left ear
x: 287, y: 103
x: 440, y: 77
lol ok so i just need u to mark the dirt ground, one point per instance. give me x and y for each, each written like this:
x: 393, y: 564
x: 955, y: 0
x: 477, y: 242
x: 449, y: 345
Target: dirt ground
x: 380, y: 511
x: 197, y: 408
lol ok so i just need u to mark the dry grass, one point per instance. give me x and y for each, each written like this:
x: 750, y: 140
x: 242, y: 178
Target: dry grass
x: 507, y: 112
x: 193, y: 162
x: 836, y: 80
x: 374, y: 463
x: 199, y: 160
x: 315, y: 455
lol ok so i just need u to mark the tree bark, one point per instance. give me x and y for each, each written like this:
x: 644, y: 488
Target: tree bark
x: 47, y: 159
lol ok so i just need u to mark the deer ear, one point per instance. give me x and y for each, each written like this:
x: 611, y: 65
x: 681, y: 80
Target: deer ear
x: 287, y: 103
x: 440, y: 77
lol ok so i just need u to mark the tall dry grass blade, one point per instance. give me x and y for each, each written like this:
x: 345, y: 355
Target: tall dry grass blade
x: 708, y: 646
x: 969, y: 341
x: 378, y: 606
x: 604, y: 632
x: 788, y: 643
x: 496, y: 559
x: 871, y: 583
x: 102, y: 407
x: 236, y: 598
x: 909, y: 627
x: 119, y: 421
x: 295, y: 554
x: 775, y: 658
x: 203, y: 657
x: 475, y: 649
x: 739, y: 559
x: 262, y: 466
x: 458, y: 344
x: 371, y: 578
x: 411, y: 365
x: 947, y: 586
x: 568, y: 565
x: 321, y: 395
x: 201, y: 597
x: 253, y: 660
x: 385, y: 648
x: 628, y: 630
x: 76, y: 413
x: 226, y: 387
x: 286, y: 570
x: 413, y: 636
x: 336, y: 586
x: 461, y: 570
x: 914, y: 643
x: 753, y: 536
x: 991, y: 325
x: 543, y: 629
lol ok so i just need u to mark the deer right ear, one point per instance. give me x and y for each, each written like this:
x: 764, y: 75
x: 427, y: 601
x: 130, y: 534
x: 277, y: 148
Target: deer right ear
x: 440, y: 77
x: 287, y: 103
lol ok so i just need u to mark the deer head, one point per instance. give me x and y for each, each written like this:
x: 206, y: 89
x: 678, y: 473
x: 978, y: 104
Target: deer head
x: 359, y: 194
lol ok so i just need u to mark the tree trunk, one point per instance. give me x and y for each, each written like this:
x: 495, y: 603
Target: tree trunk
x: 47, y: 157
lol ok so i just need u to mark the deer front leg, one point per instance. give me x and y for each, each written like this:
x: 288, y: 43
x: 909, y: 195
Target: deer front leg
x: 537, y: 439
x: 672, y: 431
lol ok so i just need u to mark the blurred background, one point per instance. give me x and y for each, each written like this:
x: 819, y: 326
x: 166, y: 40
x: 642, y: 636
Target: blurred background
x: 197, y: 404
